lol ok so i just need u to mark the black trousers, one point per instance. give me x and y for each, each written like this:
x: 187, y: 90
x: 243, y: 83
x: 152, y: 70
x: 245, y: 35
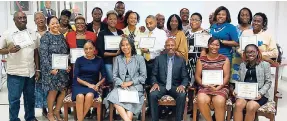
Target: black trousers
x: 156, y: 95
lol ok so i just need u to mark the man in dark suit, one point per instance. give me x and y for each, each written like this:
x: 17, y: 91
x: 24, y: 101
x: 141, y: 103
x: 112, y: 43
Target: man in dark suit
x: 48, y: 11
x: 169, y: 76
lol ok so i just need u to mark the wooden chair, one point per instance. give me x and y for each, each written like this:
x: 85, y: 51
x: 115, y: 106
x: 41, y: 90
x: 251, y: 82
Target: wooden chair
x: 69, y: 103
x: 269, y: 110
x: 167, y: 100
x: 228, y: 108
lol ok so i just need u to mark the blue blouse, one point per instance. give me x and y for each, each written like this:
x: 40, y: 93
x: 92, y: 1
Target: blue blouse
x: 225, y: 31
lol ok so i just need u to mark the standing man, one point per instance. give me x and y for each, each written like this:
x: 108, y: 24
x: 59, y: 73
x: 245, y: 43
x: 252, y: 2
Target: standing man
x: 169, y: 76
x: 184, y: 15
x: 160, y: 22
x: 48, y: 11
x: 120, y: 9
x: 22, y: 68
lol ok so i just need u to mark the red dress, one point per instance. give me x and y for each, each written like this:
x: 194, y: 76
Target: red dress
x: 216, y: 64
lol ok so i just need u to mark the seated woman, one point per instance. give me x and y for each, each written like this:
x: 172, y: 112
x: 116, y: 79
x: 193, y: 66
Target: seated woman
x: 129, y: 71
x: 86, y: 80
x: 217, y: 94
x: 253, y: 70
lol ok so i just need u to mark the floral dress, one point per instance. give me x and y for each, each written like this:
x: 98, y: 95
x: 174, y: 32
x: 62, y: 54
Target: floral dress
x: 52, y: 44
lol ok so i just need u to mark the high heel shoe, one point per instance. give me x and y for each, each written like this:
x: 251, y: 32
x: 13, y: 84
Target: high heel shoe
x: 57, y: 115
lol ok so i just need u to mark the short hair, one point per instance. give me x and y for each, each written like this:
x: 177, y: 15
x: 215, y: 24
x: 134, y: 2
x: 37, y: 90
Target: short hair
x: 111, y: 12
x: 265, y: 20
x: 228, y: 18
x: 179, y: 27
x: 130, y: 41
x: 66, y: 12
x: 16, y: 14
x: 119, y: 2
x: 151, y: 16
x: 250, y: 15
x: 97, y: 8
x: 197, y: 14
x: 259, y: 56
x: 38, y: 12
x: 182, y: 10
x: 50, y: 18
x: 127, y: 17
x: 80, y: 17
x: 157, y: 15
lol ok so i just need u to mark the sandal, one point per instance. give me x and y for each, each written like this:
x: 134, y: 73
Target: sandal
x: 50, y: 115
x: 57, y: 115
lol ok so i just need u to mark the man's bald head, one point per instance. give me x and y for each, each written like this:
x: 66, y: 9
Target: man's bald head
x: 20, y: 20
x: 170, y: 46
x: 160, y: 20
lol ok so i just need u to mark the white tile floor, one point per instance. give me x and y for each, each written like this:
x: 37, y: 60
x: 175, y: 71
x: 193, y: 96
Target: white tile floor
x: 4, y: 108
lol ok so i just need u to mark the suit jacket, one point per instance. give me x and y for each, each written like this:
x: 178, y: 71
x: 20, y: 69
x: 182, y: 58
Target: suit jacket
x: 263, y: 76
x: 53, y: 12
x: 136, y: 69
x: 179, y: 71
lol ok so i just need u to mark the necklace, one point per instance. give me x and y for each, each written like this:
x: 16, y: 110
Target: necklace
x: 219, y: 29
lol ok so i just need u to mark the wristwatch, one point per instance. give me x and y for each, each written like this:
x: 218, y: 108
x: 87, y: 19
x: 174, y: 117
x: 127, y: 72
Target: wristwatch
x: 221, y: 41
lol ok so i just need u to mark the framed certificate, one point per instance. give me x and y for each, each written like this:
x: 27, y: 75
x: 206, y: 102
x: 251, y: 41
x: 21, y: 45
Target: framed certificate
x: 246, y: 40
x: 22, y: 38
x: 112, y: 42
x: 76, y: 53
x: 147, y: 42
x: 246, y: 90
x: 128, y: 96
x: 201, y: 39
x: 212, y: 77
x: 60, y: 61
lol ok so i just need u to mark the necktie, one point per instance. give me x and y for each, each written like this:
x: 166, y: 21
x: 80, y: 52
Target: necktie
x: 49, y: 14
x: 147, y: 55
x: 169, y: 74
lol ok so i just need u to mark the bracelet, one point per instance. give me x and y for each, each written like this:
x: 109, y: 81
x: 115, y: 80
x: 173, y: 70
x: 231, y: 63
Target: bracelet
x: 38, y: 70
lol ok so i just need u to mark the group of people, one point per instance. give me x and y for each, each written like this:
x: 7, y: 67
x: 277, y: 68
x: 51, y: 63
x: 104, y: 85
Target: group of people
x: 169, y: 67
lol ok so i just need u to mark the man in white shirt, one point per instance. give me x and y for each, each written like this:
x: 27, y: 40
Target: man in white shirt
x: 48, y: 11
x: 184, y: 15
x: 160, y: 22
x: 22, y: 67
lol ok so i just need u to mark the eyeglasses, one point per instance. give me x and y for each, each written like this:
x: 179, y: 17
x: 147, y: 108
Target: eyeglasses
x: 195, y: 20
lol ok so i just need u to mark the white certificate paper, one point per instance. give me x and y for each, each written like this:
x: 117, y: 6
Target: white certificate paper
x: 112, y: 42
x: 60, y: 61
x: 246, y: 90
x: 201, y: 39
x: 147, y: 42
x: 212, y: 77
x: 246, y: 40
x: 22, y: 38
x: 76, y: 53
x: 128, y: 96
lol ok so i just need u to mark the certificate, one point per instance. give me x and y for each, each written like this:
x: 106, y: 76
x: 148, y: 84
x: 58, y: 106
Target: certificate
x: 128, y: 96
x: 60, y: 61
x: 147, y: 42
x: 112, y: 42
x: 246, y: 90
x: 22, y: 38
x: 212, y: 77
x: 76, y: 53
x: 201, y: 40
x: 246, y: 40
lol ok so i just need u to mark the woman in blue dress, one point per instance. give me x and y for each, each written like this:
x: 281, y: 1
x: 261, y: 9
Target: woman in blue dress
x: 86, y: 80
x: 224, y: 31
